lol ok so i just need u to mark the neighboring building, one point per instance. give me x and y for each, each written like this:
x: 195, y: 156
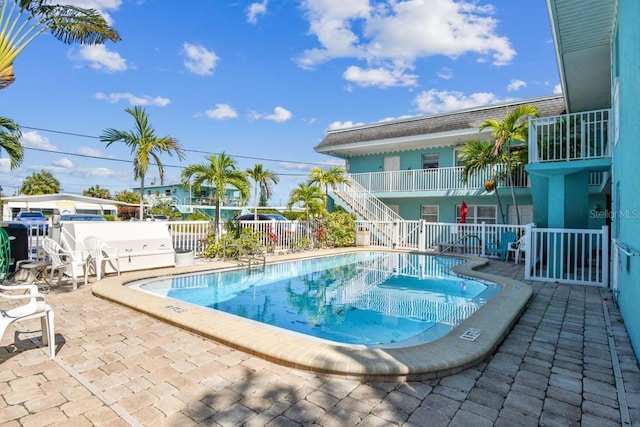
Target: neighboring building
x: 583, y: 150
x: 64, y: 203
x: 186, y: 201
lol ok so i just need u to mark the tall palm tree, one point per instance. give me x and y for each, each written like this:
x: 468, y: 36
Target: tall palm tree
x: 514, y: 128
x: 309, y: 196
x: 145, y: 146
x: 325, y: 178
x: 97, y: 191
x: 10, y: 135
x: 21, y: 21
x: 477, y: 156
x: 220, y: 173
x: 263, y: 179
x: 42, y: 182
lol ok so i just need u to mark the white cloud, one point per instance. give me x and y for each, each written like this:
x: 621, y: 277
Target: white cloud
x: 255, y: 10
x: 33, y: 139
x: 392, y: 35
x: 557, y: 88
x: 5, y: 165
x: 446, y: 73
x: 200, y: 61
x: 63, y: 163
x: 515, y: 85
x: 89, y: 151
x: 100, y: 58
x: 114, y: 98
x: 379, y: 77
x: 101, y: 6
x: 434, y: 101
x: 221, y: 112
x: 279, y: 115
x: 343, y: 125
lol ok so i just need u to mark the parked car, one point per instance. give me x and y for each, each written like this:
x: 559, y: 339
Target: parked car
x: 33, y: 218
x: 82, y: 217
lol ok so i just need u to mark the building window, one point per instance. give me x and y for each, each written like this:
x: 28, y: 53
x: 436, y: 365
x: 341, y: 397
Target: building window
x: 477, y: 214
x: 429, y: 213
x: 430, y: 161
x: 456, y: 155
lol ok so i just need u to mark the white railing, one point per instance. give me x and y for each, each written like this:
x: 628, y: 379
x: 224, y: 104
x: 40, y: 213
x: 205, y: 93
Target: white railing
x: 568, y: 255
x: 438, y: 179
x: 577, y: 136
x: 434, y: 237
x: 190, y: 235
x: 364, y: 203
x: 283, y: 236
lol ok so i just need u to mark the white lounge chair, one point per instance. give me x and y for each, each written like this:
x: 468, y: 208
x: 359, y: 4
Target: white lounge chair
x: 64, y: 261
x: 97, y: 252
x: 34, y: 308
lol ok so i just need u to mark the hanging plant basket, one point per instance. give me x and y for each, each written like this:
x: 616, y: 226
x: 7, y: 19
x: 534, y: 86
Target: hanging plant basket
x: 490, y: 185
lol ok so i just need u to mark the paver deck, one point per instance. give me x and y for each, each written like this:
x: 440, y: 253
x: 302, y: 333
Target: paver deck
x: 567, y: 361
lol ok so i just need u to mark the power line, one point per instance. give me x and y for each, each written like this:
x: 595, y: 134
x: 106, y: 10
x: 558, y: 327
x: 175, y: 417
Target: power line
x: 264, y: 159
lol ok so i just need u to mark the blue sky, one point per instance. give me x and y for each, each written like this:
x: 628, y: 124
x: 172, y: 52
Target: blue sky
x: 263, y: 81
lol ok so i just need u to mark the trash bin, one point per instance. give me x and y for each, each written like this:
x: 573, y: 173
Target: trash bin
x: 18, y: 242
x: 184, y: 257
x: 362, y: 237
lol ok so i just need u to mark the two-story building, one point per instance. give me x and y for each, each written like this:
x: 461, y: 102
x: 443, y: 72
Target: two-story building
x: 186, y: 200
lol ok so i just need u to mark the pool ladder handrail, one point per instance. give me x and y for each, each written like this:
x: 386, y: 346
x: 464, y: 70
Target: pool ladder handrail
x: 465, y: 237
x: 245, y: 255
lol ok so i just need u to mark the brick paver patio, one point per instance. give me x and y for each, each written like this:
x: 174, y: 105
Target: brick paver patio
x: 568, y: 361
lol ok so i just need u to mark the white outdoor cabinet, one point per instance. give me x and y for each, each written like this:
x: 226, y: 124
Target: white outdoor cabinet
x: 141, y: 245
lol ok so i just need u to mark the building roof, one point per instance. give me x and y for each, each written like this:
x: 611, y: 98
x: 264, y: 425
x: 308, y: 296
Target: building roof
x: 451, y: 128
x: 582, y: 31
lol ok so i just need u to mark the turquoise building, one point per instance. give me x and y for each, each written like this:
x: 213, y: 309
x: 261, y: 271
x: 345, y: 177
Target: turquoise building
x: 583, y: 149
x: 187, y: 200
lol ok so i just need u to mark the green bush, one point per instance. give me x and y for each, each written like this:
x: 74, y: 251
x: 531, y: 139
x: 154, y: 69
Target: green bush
x: 109, y: 217
x: 230, y: 243
x: 341, y: 229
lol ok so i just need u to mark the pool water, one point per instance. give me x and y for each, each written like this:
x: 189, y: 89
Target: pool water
x: 369, y: 298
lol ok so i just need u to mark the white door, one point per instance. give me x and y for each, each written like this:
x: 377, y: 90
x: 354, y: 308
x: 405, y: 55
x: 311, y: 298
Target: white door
x: 391, y: 180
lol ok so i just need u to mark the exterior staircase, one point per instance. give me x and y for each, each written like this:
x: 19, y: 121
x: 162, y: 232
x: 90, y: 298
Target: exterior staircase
x: 355, y: 198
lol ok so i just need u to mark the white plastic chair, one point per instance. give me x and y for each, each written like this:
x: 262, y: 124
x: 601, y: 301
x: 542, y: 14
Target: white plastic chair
x: 98, y: 252
x: 64, y: 261
x: 36, y: 307
x: 518, y: 247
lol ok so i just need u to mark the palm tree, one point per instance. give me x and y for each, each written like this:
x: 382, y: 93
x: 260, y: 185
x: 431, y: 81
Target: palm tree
x: 263, y: 179
x: 477, y: 156
x: 10, y: 135
x: 27, y: 19
x: 220, y: 173
x: 97, y: 191
x: 145, y: 146
x: 325, y: 178
x: 41, y: 182
x: 309, y: 196
x: 514, y: 128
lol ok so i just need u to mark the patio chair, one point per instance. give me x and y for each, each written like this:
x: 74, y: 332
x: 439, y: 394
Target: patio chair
x: 98, y: 252
x: 517, y: 248
x: 500, y: 248
x: 64, y: 261
x: 34, y: 308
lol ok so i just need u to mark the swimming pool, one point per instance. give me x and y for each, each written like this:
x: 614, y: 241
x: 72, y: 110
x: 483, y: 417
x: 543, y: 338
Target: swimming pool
x: 377, y: 298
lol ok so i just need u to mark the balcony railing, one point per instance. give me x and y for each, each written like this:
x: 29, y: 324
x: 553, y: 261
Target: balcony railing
x: 578, y: 136
x: 438, y: 179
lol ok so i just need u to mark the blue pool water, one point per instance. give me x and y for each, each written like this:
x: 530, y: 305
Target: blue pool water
x: 368, y: 298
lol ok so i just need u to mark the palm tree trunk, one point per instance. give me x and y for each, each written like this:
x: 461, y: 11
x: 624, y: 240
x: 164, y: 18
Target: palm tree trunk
x: 216, y: 223
x: 141, y: 213
x: 255, y: 200
x: 513, y: 191
x: 499, y: 205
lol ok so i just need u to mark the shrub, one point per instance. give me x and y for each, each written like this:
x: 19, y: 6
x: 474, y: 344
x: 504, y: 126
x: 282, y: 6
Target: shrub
x: 341, y: 229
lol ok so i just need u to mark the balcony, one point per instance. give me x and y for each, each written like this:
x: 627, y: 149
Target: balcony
x: 570, y: 137
x: 438, y: 179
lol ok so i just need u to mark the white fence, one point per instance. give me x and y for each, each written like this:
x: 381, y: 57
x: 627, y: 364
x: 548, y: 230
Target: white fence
x: 190, y: 235
x: 568, y: 255
x: 550, y: 254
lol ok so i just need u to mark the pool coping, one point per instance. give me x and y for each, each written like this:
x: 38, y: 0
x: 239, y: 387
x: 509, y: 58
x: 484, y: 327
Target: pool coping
x: 445, y: 356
